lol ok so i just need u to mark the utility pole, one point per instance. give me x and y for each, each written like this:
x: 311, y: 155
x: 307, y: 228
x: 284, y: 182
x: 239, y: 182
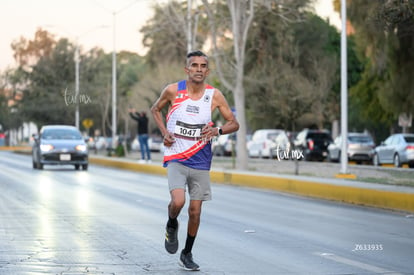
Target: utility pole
x: 77, y: 84
x: 344, y: 93
x: 114, y: 83
x: 189, y: 36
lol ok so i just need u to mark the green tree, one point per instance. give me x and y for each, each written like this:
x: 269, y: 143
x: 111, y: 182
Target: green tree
x: 165, y: 35
x: 9, y: 96
x: 292, y: 70
x: 384, y: 32
x: 96, y: 84
x: 46, y: 76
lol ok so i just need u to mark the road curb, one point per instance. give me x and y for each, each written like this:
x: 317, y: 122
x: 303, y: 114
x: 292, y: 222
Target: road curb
x: 310, y: 188
x: 137, y: 167
x: 349, y: 194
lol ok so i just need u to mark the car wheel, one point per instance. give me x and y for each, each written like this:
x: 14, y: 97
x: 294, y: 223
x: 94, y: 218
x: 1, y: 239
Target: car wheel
x: 375, y: 160
x: 84, y: 167
x: 397, y: 162
x: 77, y: 166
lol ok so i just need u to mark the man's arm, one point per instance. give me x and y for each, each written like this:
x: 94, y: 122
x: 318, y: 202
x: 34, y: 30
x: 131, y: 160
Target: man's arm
x: 133, y: 114
x: 231, y: 125
x: 166, y: 98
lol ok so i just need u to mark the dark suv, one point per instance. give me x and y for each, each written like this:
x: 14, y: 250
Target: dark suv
x: 313, y: 144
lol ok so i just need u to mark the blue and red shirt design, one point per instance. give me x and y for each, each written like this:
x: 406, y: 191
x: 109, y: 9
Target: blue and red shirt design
x: 185, y: 119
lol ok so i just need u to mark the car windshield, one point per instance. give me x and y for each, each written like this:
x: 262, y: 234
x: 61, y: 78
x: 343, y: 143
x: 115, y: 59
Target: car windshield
x: 360, y: 139
x: 272, y: 136
x: 61, y: 134
x: 409, y: 139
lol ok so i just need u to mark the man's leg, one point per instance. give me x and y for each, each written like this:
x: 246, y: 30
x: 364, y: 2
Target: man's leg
x: 194, y: 213
x: 141, y: 146
x: 177, y: 178
x: 177, y: 203
x: 147, y: 149
x: 174, y: 207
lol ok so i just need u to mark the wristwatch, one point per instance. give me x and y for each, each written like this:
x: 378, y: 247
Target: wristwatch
x: 219, y: 131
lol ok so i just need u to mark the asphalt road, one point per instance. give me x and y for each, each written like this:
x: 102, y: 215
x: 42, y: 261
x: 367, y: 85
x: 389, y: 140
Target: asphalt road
x: 108, y: 221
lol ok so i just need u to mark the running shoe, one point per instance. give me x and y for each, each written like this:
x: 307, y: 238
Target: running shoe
x: 186, y: 261
x: 171, y: 240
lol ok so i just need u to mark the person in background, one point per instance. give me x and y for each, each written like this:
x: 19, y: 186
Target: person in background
x: 142, y: 121
x: 187, y: 133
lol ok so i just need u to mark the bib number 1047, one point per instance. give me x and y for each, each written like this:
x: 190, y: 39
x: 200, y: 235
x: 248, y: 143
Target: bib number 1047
x: 187, y: 130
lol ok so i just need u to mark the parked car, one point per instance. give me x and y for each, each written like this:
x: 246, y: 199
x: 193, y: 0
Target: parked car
x: 265, y: 142
x: 360, y: 148
x: 313, y: 143
x: 155, y: 144
x: 224, y: 145
x: 397, y: 149
x: 59, y: 145
x: 100, y: 143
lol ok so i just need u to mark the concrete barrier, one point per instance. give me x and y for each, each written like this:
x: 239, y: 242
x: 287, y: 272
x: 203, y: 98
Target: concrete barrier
x: 349, y: 194
x: 128, y: 165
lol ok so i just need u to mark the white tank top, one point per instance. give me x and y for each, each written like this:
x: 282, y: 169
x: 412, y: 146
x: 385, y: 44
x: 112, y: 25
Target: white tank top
x: 185, y: 119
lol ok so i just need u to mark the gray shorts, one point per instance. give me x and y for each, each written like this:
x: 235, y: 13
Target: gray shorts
x: 198, y: 181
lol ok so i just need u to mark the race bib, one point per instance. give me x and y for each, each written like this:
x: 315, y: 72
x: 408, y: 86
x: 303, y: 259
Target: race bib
x: 187, y: 131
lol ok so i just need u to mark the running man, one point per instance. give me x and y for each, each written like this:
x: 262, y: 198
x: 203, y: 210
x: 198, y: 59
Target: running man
x: 187, y: 133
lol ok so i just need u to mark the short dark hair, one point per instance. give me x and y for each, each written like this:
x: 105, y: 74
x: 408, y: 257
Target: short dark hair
x: 195, y: 53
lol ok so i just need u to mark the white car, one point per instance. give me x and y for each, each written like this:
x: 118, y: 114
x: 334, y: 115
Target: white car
x: 155, y: 144
x: 397, y: 149
x: 360, y: 148
x: 266, y: 142
x: 224, y: 145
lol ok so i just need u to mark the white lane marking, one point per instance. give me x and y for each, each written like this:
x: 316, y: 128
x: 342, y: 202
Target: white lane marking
x: 361, y: 265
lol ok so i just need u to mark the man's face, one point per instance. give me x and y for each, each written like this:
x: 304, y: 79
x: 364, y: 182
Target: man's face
x: 197, y: 69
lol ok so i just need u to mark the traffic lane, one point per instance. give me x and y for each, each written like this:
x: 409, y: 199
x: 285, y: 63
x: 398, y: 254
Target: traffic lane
x: 107, y: 220
x: 59, y: 220
x: 302, y: 236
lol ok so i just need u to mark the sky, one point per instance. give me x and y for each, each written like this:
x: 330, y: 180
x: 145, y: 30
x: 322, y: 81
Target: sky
x: 90, y: 22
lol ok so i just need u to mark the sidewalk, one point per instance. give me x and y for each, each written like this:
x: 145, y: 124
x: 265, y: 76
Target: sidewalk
x: 387, y: 196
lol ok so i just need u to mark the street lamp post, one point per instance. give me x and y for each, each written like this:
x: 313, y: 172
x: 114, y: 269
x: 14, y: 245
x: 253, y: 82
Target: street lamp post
x: 114, y: 107
x: 77, y: 85
x: 344, y: 92
x: 77, y: 62
x: 114, y: 83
